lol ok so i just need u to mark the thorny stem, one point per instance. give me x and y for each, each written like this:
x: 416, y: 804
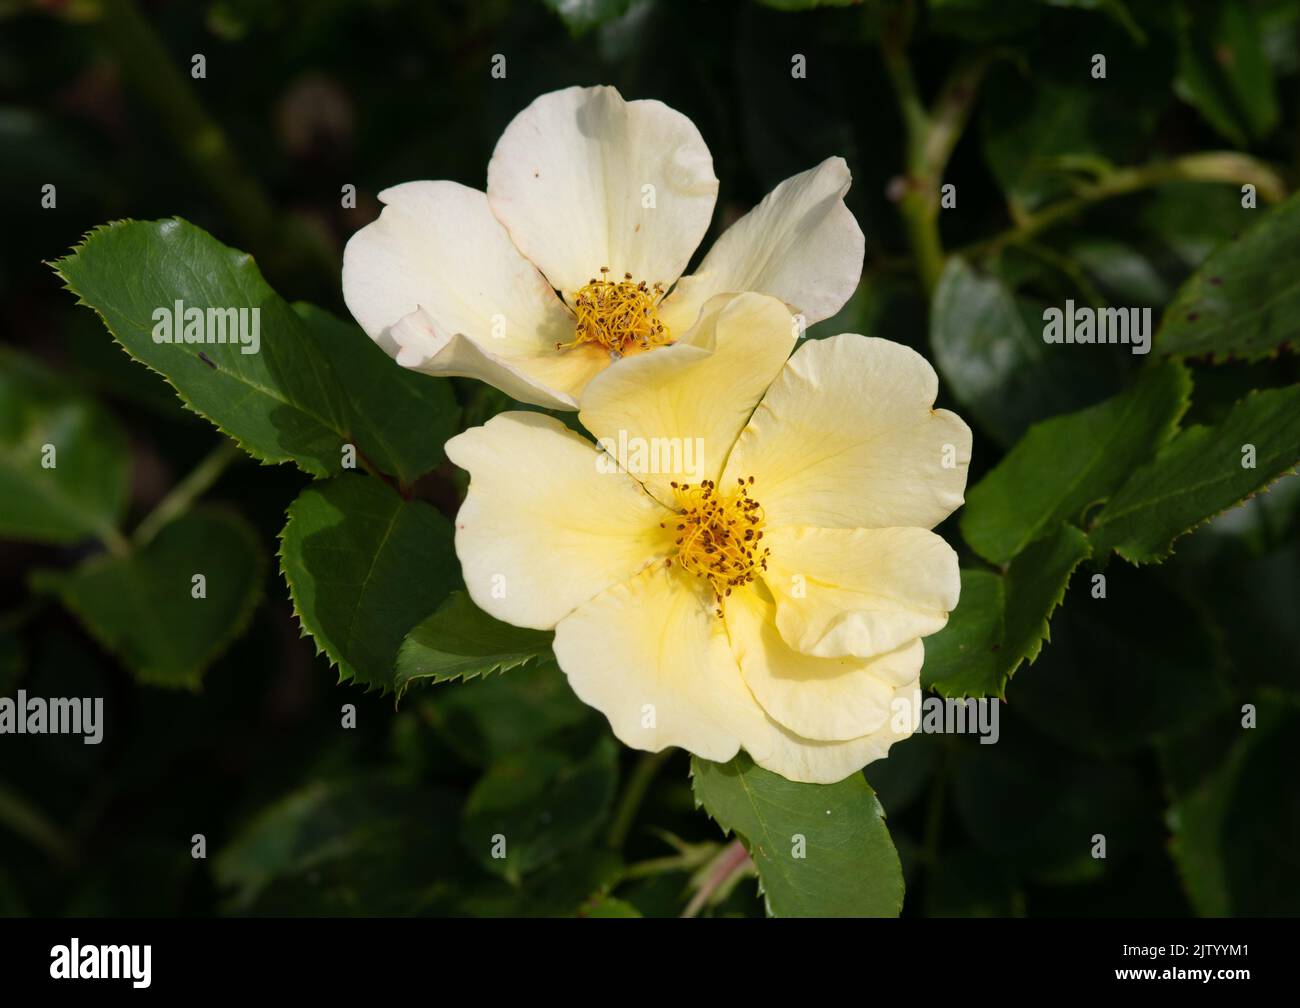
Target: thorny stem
x: 1211, y: 166
x: 402, y: 489
x: 633, y: 794
x: 114, y: 541
x: 931, y: 136
x: 894, y: 37
x: 657, y: 866
x: 922, y: 227
x: 732, y: 860
x: 952, y: 111
x: 183, y: 495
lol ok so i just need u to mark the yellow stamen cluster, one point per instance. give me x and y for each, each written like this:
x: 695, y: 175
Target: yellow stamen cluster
x: 619, y: 315
x: 718, y: 536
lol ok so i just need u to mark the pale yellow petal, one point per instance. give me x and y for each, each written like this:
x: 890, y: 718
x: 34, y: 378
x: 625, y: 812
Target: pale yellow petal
x: 650, y: 655
x: 859, y: 591
x: 847, y: 437
x: 545, y: 378
x: 547, y: 524
x: 811, y: 762
x: 823, y: 699
x: 437, y: 246
x: 800, y: 244
x: 583, y: 179
x: 674, y: 413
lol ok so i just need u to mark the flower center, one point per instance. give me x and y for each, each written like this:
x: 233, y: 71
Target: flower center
x: 619, y: 315
x: 718, y: 535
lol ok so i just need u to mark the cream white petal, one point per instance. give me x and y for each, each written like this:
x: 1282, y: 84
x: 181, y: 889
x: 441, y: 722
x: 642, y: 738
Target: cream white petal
x: 583, y: 179
x: 822, y: 699
x: 651, y: 655
x: 546, y: 378
x: 800, y: 244
x: 807, y: 761
x: 546, y: 525
x: 847, y: 437
x: 437, y: 246
x: 859, y: 591
x: 683, y: 406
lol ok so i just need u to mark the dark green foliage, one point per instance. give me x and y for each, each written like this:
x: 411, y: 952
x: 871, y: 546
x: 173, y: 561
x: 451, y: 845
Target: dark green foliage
x: 1128, y: 548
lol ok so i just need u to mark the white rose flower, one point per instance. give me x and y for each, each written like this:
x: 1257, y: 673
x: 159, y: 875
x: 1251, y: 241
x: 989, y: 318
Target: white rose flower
x: 603, y: 201
x: 774, y: 603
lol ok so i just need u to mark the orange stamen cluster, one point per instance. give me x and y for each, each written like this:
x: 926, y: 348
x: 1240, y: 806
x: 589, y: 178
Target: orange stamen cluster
x: 618, y: 315
x: 718, y: 537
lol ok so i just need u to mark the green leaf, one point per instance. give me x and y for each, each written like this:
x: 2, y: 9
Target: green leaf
x: 92, y: 360
x: 535, y: 804
x: 1036, y: 583
x: 315, y: 382
x: 1001, y: 620
x: 1233, y: 825
x: 1244, y: 301
x: 363, y: 567
x: 496, y: 715
x: 988, y: 345
x: 83, y: 493
x: 1223, y: 70
x: 1123, y: 274
x: 400, y: 418
x: 281, y: 404
x: 963, y: 658
x: 849, y: 867
x: 142, y: 608
x: 1200, y: 473
x: 461, y: 641
x: 1032, y: 490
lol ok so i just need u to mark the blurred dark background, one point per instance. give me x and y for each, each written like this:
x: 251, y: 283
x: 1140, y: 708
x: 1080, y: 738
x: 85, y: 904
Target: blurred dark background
x: 1109, y: 732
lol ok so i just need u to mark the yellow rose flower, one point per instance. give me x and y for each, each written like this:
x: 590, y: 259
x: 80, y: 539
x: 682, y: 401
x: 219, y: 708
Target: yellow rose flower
x: 773, y: 599
x: 603, y: 201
